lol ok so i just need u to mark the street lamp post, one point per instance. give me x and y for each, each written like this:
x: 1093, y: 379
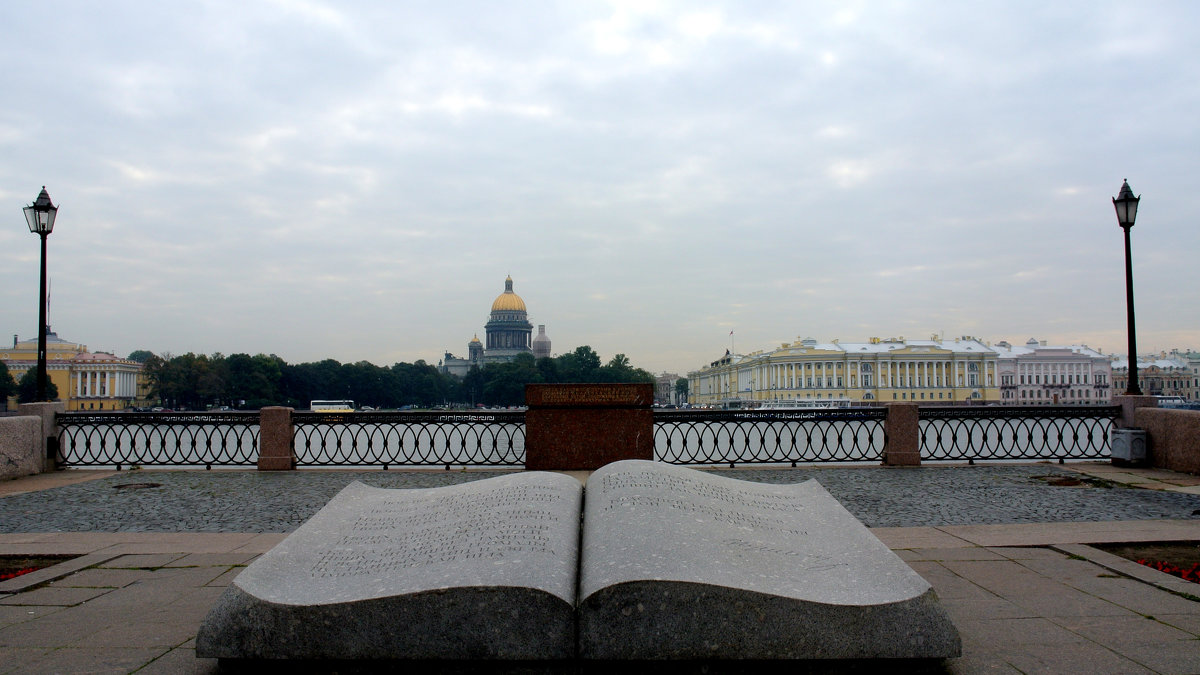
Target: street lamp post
x: 40, y: 217
x: 1126, y: 205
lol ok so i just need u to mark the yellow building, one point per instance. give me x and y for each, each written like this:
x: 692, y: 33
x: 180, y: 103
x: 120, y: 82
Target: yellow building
x: 879, y: 371
x: 85, y: 380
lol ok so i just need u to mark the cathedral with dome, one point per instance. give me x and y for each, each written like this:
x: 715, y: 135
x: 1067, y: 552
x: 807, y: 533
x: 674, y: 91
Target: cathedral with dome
x: 508, y: 333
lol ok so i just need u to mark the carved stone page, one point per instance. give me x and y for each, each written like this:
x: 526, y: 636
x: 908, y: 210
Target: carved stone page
x: 680, y: 564
x: 482, y: 570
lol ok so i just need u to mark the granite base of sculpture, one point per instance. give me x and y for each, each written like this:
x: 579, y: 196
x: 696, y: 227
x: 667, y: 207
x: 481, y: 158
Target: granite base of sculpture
x: 673, y: 564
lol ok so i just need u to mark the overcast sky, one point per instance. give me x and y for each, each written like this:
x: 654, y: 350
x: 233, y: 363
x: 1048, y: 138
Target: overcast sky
x: 354, y: 180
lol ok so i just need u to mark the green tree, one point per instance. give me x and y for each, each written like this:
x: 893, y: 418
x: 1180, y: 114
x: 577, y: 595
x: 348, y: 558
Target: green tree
x: 681, y: 389
x: 27, y: 388
x: 580, y: 365
x: 473, y: 384
x: 616, y: 370
x: 548, y: 368
x: 8, y: 386
x: 253, y: 379
x: 504, y: 383
x: 189, y: 381
x: 140, y: 355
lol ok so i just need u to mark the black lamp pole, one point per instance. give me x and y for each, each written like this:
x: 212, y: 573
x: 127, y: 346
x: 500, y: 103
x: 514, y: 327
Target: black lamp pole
x: 1126, y: 205
x: 40, y: 217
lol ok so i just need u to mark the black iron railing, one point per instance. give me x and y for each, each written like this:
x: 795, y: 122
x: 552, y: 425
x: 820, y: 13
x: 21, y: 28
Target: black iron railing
x: 497, y: 438
x: 769, y: 437
x: 1011, y: 433
x: 127, y: 439
x: 387, y: 439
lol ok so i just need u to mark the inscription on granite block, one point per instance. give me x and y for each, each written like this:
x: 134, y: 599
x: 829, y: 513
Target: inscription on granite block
x: 585, y: 426
x: 483, y: 570
x: 589, y: 395
x: 680, y: 564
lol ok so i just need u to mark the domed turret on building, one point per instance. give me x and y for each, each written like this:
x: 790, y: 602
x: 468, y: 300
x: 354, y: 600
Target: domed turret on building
x: 508, y: 328
x: 475, y: 350
x: 507, y: 334
x: 508, y: 301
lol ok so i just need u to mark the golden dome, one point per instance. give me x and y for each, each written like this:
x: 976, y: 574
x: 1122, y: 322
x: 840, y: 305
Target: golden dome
x: 508, y: 301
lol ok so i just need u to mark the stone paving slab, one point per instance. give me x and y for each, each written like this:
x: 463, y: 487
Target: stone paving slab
x: 1130, y: 568
x: 43, y: 575
x: 1045, y: 534
x: 1019, y: 609
x: 971, y: 534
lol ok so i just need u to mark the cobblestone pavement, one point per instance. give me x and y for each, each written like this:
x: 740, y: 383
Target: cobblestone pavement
x: 252, y: 501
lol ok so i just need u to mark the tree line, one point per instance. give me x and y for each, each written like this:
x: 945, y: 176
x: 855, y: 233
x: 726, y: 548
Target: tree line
x: 25, y: 389
x: 196, y: 381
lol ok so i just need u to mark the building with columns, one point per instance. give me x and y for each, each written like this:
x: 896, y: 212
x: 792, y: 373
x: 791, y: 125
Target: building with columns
x: 935, y: 371
x: 1039, y: 374
x: 508, y: 334
x: 85, y: 380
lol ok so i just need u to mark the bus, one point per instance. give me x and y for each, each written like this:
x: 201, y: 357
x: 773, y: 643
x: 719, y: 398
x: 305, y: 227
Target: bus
x: 331, y: 406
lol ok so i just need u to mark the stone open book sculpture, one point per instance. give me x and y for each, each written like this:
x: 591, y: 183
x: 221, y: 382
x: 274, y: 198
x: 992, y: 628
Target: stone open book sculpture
x: 672, y: 563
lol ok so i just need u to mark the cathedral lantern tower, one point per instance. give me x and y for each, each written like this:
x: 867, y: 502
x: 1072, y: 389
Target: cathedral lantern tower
x: 508, y: 329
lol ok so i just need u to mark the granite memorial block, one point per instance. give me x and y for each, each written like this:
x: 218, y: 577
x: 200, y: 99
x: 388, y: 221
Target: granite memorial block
x: 671, y: 564
x: 681, y: 564
x: 586, y: 426
x: 482, y: 570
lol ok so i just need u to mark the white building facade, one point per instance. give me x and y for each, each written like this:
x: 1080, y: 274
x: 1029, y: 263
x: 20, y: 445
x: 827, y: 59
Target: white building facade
x: 962, y: 370
x: 1039, y: 374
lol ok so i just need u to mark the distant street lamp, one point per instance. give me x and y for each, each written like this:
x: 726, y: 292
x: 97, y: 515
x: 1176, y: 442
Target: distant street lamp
x: 40, y: 216
x: 1126, y: 205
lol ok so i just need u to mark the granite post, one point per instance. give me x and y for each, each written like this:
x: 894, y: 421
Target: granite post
x: 903, y: 435
x: 22, y: 447
x: 49, y: 432
x: 571, y: 427
x: 1129, y: 404
x: 1174, y: 437
x: 275, y: 439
